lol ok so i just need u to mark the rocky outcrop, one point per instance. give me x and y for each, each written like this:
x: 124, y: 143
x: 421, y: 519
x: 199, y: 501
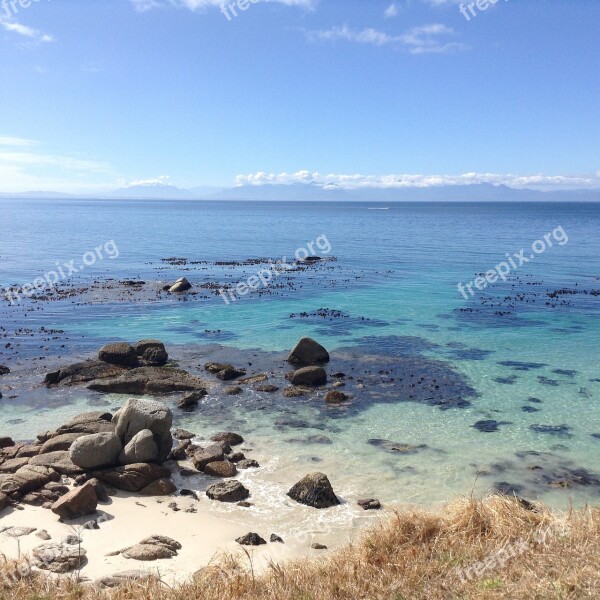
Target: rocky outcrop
x: 308, y: 352
x: 139, y: 415
x: 27, y: 479
x: 96, y: 451
x: 222, y: 468
x: 228, y: 491
x: 119, y: 353
x: 77, y: 503
x: 149, y: 380
x: 230, y: 438
x: 151, y: 353
x: 251, y: 539
x: 181, y: 285
x: 141, y: 448
x: 205, y: 456
x: 132, y: 478
x: 312, y: 376
x: 82, y: 372
x: 153, y: 548
x: 314, y: 490
x: 230, y: 373
x: 85, y: 423
x: 59, y: 558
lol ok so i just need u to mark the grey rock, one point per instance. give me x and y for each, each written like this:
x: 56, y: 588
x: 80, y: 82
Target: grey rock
x: 248, y: 463
x: 228, y: 491
x: 96, y: 451
x: 314, y: 490
x: 311, y: 376
x: 132, y: 478
x: 59, y: 558
x: 181, y: 285
x: 119, y: 353
x: 251, y: 539
x: 222, y: 468
x: 203, y: 457
x: 141, y: 448
x: 308, y: 352
x: 151, y: 353
x: 232, y: 439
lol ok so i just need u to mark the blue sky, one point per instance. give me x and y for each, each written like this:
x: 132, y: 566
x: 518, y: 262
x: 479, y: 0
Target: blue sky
x: 98, y: 94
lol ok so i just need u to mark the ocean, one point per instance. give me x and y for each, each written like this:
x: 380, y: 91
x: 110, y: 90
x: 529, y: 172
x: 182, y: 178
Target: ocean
x: 512, y: 370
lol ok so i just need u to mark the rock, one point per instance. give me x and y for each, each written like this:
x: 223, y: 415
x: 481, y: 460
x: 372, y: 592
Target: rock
x: 160, y: 487
x: 149, y: 380
x: 308, y: 352
x: 60, y: 461
x: 59, y: 442
x: 83, y: 372
x: 213, y: 368
x: 86, y: 423
x: 140, y: 449
x: 182, y: 434
x: 153, y: 548
x: 191, y: 400
x: 248, y: 463
x: 119, y: 353
x: 17, y: 532
x: 28, y: 450
x: 139, y: 415
x: 132, y: 478
x: 268, y: 388
x: 96, y: 451
x: 228, y: 491
x: 179, y: 452
x: 49, y: 493
x: 27, y: 479
x: 204, y: 456
x: 71, y: 540
x: 59, y: 558
x: 230, y: 373
x: 230, y: 438
x: 293, y: 392
x: 397, y: 447
x: 236, y: 457
x: 317, y: 546
x: 43, y: 535
x: 78, y: 502
x: 233, y: 390
x: 123, y: 578
x: 314, y: 490
x: 4, y: 370
x: 6, y: 442
x: 222, y: 468
x: 335, y: 397
x: 244, y: 504
x: 251, y: 539
x: 254, y: 379
x: 4, y: 501
x: 151, y: 353
x: 276, y: 539
x: 312, y: 376
x: 101, y: 491
x: 13, y: 464
x: 369, y: 504
x: 181, y: 285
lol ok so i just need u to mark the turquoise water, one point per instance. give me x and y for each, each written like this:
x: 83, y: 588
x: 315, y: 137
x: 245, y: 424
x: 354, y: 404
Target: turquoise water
x: 393, y: 276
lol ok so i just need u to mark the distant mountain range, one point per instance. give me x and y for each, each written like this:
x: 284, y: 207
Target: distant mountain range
x: 303, y: 192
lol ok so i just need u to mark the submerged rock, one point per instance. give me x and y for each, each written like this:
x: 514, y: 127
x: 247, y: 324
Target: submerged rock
x: 312, y: 376
x: 314, y: 490
x: 230, y: 438
x: 308, y: 352
x: 335, y: 397
x: 191, y: 400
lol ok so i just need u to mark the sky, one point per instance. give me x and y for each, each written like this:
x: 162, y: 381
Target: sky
x: 102, y: 94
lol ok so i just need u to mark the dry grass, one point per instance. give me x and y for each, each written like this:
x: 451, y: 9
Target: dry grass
x: 531, y: 554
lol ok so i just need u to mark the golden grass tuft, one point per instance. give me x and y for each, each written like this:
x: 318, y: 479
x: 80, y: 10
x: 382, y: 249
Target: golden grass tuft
x: 493, y: 548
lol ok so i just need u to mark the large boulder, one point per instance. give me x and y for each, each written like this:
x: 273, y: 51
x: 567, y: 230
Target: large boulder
x: 228, y: 491
x: 83, y: 372
x: 308, y: 352
x: 85, y: 423
x: 142, y: 448
x: 59, y: 442
x: 138, y: 415
x: 314, y: 490
x: 153, y: 548
x: 151, y: 353
x: 27, y: 479
x: 119, y: 353
x: 77, y: 503
x: 132, y: 478
x: 59, y: 558
x: 312, y: 376
x: 59, y: 460
x: 149, y: 380
x: 96, y: 451
x: 181, y: 285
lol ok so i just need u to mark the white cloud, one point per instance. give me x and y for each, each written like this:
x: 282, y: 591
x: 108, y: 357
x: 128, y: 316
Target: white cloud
x: 16, y: 142
x: 427, y: 39
x: 194, y: 5
x: 160, y: 181
x: 24, y: 30
x: 391, y: 11
x: 358, y: 181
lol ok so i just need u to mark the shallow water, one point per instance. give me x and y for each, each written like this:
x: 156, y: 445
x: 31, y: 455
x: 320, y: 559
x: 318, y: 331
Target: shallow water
x: 514, y: 355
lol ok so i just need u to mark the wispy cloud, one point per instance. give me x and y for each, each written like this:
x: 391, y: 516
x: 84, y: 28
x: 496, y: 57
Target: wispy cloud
x: 194, y: 5
x: 160, y: 181
x: 391, y: 11
x: 359, y: 181
x: 24, y: 30
x: 16, y: 142
x: 427, y: 39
